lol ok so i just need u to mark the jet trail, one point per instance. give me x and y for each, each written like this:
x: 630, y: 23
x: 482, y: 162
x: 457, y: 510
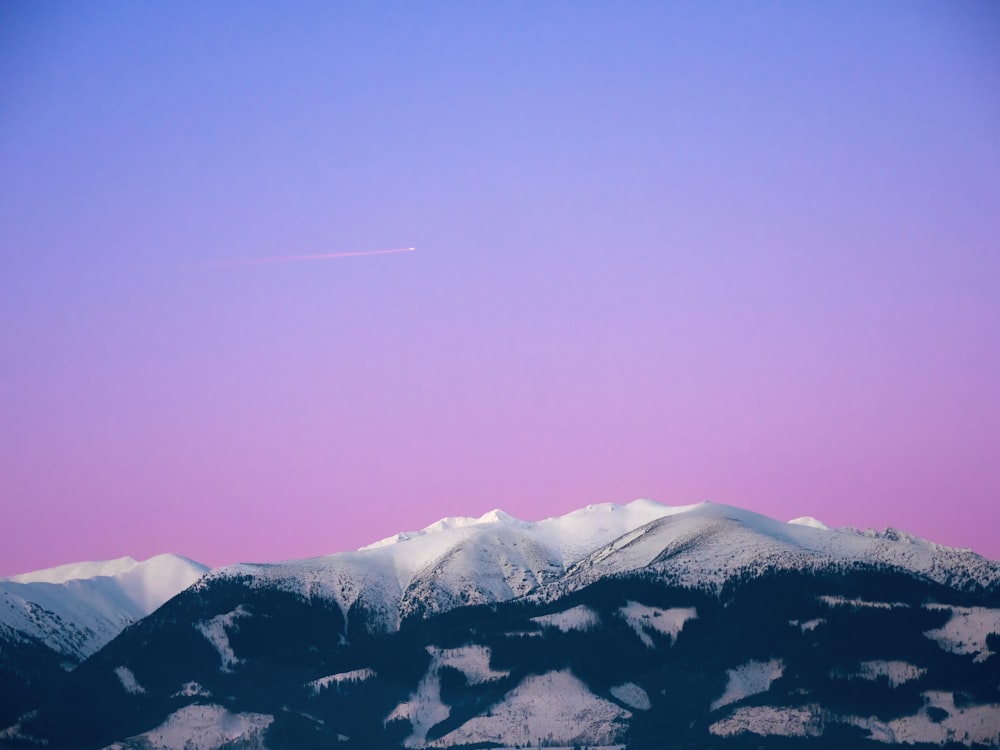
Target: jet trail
x: 320, y: 256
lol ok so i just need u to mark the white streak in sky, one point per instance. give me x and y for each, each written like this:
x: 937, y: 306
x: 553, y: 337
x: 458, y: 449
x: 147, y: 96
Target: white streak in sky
x: 321, y: 256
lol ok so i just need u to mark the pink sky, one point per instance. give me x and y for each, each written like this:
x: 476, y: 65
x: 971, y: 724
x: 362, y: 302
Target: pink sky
x: 663, y: 251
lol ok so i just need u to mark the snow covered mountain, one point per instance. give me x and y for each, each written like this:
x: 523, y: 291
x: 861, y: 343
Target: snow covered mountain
x: 453, y: 562
x: 75, y: 609
x: 495, y: 558
x: 708, y: 544
x: 51, y: 620
x: 613, y: 626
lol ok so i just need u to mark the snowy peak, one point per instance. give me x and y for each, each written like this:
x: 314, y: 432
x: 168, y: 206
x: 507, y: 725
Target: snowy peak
x: 150, y: 583
x: 77, y: 571
x: 497, y: 515
x: 707, y: 544
x: 449, y: 523
x: 605, y: 520
x: 814, y: 523
x: 77, y: 608
x: 145, y: 584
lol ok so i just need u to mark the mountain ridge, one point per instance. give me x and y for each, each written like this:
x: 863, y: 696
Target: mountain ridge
x: 496, y: 557
x: 77, y: 608
x: 613, y: 626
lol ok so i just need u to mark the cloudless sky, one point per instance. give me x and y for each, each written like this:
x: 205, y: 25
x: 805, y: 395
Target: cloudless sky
x: 738, y: 252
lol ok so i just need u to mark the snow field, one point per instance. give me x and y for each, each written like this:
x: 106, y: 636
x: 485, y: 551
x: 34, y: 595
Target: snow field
x: 128, y: 681
x: 769, y: 720
x: 202, y: 727
x: 580, y: 617
x: 971, y: 724
x: 808, y: 625
x: 352, y: 677
x: 192, y: 690
x: 979, y: 724
x: 472, y: 661
x: 643, y: 619
x: 632, y: 696
x: 555, y: 708
x: 216, y: 631
x: 966, y: 631
x: 16, y: 730
x: 425, y: 708
x: 898, y: 672
x: 840, y: 601
x: 749, y: 679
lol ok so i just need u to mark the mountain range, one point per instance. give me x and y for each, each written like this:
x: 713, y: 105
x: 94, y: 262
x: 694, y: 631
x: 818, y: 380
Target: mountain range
x: 638, y: 626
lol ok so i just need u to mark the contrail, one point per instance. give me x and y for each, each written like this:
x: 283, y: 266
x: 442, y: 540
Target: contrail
x: 320, y: 256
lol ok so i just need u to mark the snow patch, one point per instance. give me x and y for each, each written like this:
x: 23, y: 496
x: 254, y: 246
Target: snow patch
x: 128, y: 681
x: 192, y: 690
x: 970, y: 724
x: 967, y: 630
x: 840, y: 601
x: 749, y: 679
x: 353, y: 677
x: 216, y: 630
x: 939, y: 721
x: 808, y: 625
x: 897, y: 672
x: 632, y: 696
x: 472, y: 661
x: 580, y: 617
x: 16, y: 731
x: 204, y: 727
x: 643, y: 619
x: 424, y: 708
x: 555, y: 708
x: 770, y: 720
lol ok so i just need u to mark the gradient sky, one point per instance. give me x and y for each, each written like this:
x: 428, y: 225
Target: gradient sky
x: 739, y: 252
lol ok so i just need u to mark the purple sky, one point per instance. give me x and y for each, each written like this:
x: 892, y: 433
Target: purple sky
x: 747, y: 253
